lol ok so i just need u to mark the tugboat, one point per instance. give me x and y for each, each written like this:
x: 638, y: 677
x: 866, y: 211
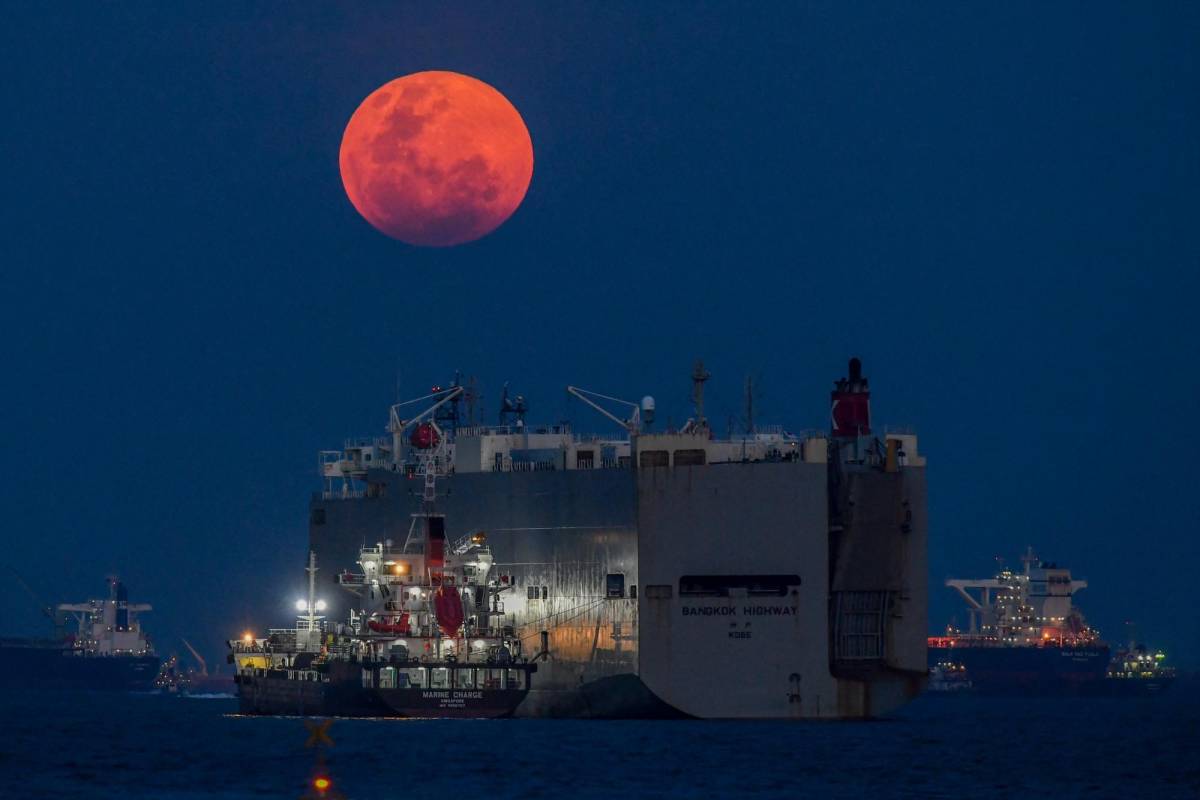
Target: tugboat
x: 947, y: 677
x: 427, y: 639
x: 1138, y: 670
x: 108, y: 651
x: 174, y: 678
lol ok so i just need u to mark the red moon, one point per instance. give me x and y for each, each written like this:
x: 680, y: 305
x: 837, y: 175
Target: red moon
x: 436, y: 159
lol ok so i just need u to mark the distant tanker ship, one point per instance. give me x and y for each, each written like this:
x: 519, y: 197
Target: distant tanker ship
x: 656, y: 573
x: 107, y: 651
x: 1025, y: 635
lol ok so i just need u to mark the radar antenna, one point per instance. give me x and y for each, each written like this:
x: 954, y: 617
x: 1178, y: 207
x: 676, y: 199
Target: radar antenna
x: 749, y: 406
x: 512, y: 407
x: 471, y: 397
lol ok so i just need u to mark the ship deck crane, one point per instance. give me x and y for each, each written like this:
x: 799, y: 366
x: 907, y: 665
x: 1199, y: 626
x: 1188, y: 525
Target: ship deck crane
x: 46, y: 609
x: 633, y: 424
x: 397, y: 425
x: 199, y: 658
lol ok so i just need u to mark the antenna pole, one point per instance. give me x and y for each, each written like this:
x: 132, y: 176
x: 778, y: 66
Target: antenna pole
x: 699, y: 376
x: 749, y: 405
x: 312, y: 594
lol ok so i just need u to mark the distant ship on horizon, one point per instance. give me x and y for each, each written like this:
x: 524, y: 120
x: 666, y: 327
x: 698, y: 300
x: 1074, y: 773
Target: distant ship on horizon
x: 1025, y: 635
x: 107, y: 651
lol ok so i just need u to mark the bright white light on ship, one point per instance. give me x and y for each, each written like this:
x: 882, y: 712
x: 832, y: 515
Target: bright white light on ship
x: 301, y: 605
x: 320, y: 605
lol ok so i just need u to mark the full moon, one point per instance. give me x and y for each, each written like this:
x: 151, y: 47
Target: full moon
x: 436, y: 159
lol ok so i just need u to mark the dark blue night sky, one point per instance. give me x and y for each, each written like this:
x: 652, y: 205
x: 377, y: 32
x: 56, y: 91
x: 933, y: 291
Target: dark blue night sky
x: 994, y: 206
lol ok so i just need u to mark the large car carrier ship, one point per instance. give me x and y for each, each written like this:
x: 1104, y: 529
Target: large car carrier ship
x: 765, y: 574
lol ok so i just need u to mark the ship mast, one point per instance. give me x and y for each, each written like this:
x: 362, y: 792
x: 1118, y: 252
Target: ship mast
x: 311, y: 569
x: 699, y: 376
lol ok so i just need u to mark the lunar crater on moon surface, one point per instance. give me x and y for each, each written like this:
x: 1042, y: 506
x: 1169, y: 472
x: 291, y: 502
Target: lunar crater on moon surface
x: 436, y: 159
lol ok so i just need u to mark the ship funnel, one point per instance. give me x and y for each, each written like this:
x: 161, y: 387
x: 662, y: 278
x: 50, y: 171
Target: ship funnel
x: 850, y: 404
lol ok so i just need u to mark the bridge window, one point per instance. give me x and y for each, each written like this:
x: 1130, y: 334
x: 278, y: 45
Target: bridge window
x: 614, y: 585
x: 729, y: 585
x: 689, y: 458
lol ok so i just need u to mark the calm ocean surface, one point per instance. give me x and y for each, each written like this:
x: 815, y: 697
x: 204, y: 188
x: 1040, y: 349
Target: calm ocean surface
x: 147, y: 746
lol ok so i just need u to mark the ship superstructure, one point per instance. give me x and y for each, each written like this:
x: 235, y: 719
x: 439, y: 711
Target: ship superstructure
x: 106, y: 649
x: 663, y: 570
x: 1030, y: 607
x: 1024, y: 632
x: 108, y: 627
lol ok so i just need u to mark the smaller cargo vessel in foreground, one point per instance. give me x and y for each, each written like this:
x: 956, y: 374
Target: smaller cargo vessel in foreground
x: 427, y: 637
x: 107, y: 651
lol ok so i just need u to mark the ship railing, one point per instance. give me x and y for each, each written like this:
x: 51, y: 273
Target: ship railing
x: 900, y: 430
x: 620, y: 462
x: 509, y: 465
x: 555, y: 465
x: 382, y: 442
x: 600, y: 438
x: 338, y: 494
x: 511, y: 430
x: 760, y: 430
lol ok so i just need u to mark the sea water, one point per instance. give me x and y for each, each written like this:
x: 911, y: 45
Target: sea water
x: 80, y: 745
